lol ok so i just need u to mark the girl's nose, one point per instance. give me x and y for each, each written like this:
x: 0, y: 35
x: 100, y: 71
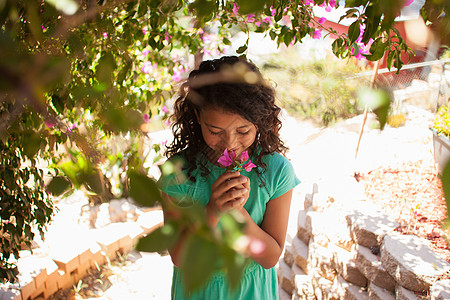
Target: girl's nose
x: 230, y: 141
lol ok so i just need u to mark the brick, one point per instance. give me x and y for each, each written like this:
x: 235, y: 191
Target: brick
x: 302, y: 232
x: 50, y: 288
x: 284, y: 277
x: 350, y: 291
x: 440, y: 290
x: 368, y: 226
x: 346, y: 266
x: 321, y: 260
x: 410, y: 260
x: 404, y: 294
x: 288, y: 255
x: 64, y: 280
x: 300, y: 253
x: 378, y: 293
x: 34, y: 267
x: 370, y: 265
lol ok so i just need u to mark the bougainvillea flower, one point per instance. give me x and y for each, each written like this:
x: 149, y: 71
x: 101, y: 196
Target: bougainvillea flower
x: 244, y: 156
x: 248, y: 166
x: 228, y: 160
x: 322, y: 20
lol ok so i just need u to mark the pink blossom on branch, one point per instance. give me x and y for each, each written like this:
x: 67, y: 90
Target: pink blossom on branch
x: 317, y: 34
x: 235, y: 9
x: 321, y: 20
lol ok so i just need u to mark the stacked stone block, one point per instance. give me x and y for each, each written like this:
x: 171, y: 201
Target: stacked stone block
x: 42, y: 275
x: 347, y: 248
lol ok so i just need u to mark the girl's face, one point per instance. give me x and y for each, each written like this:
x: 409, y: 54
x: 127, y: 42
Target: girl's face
x: 222, y: 129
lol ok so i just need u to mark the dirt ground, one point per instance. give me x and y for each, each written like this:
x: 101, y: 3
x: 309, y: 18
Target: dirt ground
x: 413, y: 194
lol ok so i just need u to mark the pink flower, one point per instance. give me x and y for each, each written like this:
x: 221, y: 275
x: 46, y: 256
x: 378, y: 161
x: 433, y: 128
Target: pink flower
x: 49, y: 123
x: 244, y: 156
x: 328, y: 8
x: 176, y: 75
x: 147, y: 68
x: 167, y: 37
x: 258, y: 23
x: 164, y: 109
x: 235, y: 9
x: 167, y: 122
x: 144, y: 31
x: 250, y: 18
x: 145, y: 52
x: 309, y: 2
x: 146, y: 118
x: 407, y: 2
x: 317, y: 34
x: 267, y: 20
x: 322, y: 20
x: 272, y: 11
x: 249, y: 166
x: 105, y: 35
x: 227, y: 158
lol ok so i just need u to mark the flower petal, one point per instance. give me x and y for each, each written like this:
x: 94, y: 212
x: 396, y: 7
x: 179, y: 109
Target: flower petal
x: 225, y: 159
x: 249, y: 166
x: 244, y: 156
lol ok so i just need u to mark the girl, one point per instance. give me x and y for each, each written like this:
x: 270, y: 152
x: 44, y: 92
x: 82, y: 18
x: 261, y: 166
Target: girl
x: 225, y: 104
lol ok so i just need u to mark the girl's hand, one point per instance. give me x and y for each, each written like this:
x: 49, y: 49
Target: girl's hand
x: 229, y: 191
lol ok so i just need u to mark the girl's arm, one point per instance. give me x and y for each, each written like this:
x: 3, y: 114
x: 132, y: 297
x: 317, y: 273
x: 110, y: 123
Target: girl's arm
x: 272, y: 232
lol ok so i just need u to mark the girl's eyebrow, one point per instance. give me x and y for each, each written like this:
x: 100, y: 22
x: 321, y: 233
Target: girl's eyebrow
x: 213, y: 126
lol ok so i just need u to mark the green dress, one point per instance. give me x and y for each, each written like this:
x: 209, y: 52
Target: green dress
x: 256, y: 283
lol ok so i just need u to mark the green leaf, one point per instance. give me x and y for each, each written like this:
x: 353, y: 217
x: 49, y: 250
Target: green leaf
x: 161, y: 239
x: 377, y: 100
x: 235, y: 265
x: 31, y: 143
x: 377, y: 50
x: 354, y: 31
x: 58, y: 103
x: 241, y: 49
x: 59, y: 185
x: 143, y: 189
x: 389, y: 59
x: 226, y: 41
x: 199, y: 261
x: 105, y: 68
x: 203, y: 8
x: 250, y: 6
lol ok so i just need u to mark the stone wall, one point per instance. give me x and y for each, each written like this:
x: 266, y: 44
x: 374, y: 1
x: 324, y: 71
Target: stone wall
x: 347, y: 248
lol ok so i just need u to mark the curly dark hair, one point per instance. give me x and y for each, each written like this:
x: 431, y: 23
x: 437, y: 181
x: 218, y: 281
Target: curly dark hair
x: 233, y: 85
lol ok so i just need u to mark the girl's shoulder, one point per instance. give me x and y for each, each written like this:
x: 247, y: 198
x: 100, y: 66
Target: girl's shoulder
x: 275, y: 159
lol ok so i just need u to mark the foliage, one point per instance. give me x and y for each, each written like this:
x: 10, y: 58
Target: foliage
x: 77, y: 76
x: 442, y: 121
x: 324, y: 90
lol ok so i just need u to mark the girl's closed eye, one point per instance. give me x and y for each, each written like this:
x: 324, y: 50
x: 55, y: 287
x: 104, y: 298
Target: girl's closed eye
x: 215, y: 133
x: 244, y: 133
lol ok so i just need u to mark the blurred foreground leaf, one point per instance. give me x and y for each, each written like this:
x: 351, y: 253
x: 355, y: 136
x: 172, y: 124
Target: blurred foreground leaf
x: 143, y: 189
x: 378, y: 101
x: 159, y: 240
x: 59, y: 185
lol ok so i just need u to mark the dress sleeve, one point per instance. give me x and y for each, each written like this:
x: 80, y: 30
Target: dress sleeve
x: 284, y: 178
